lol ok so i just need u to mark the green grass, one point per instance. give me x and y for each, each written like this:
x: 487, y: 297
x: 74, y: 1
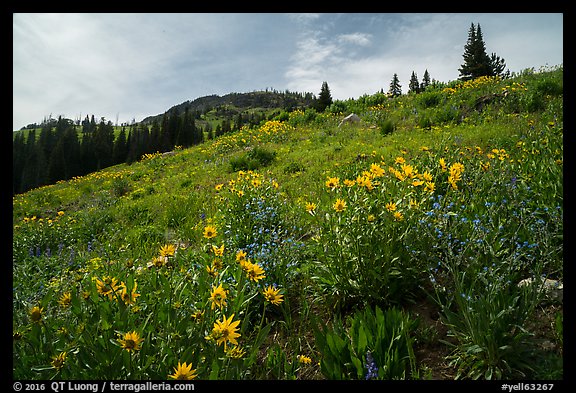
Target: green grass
x: 459, y: 248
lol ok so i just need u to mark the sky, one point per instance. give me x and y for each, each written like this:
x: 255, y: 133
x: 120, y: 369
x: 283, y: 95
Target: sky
x: 124, y: 67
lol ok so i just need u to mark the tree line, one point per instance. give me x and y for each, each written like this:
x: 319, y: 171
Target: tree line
x: 62, y: 149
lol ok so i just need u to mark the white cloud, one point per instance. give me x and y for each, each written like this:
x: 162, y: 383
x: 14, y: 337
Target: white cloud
x: 361, y: 39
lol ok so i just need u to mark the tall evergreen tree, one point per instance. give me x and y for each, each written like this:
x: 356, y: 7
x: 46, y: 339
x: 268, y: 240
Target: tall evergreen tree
x: 35, y: 171
x: 498, y: 65
x: 395, y: 87
x: 197, y: 133
x: 476, y: 61
x: 188, y: 134
x: 132, y: 145
x: 238, y: 122
x: 65, y: 158
x: 103, y: 144
x: 413, y: 85
x: 155, y: 141
x: 170, y: 130
x: 324, y: 98
x: 120, y: 151
x: 209, y: 131
x: 47, y: 140
x: 218, y: 130
x: 425, y: 81
x: 18, y: 158
x: 87, y: 155
x: 226, y: 127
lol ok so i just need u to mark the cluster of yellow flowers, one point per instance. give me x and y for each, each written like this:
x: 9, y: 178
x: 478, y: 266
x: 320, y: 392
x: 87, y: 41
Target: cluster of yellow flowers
x: 101, y: 175
x: 515, y: 86
x: 273, y: 127
x: 367, y: 179
x: 28, y: 220
x: 109, y: 287
x: 150, y: 156
x: 455, y: 174
x: 295, y: 113
x: 473, y: 83
x: 247, y: 136
x: 377, y: 108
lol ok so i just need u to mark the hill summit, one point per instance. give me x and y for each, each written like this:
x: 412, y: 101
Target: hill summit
x: 238, y: 102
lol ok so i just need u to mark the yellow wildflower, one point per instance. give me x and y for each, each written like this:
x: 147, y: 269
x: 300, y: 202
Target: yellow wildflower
x: 36, y: 314
x: 131, y: 341
x: 210, y: 232
x: 218, y: 296
x: 333, y: 182
x: 183, y: 372
x: 108, y: 286
x: 310, y: 207
x: 339, y: 205
x: 273, y: 295
x: 376, y: 170
x: 218, y: 251
x: 167, y: 250
x: 65, y: 299
x: 225, y: 331
x: 255, y: 272
x: 240, y: 255
x: 58, y: 360
x: 128, y: 297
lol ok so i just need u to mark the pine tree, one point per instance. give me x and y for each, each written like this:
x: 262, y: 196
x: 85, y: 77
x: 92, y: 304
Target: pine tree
x: 103, y: 144
x: 35, y: 171
x: 209, y: 131
x: 425, y: 81
x: 498, y: 65
x: 414, y: 85
x: 87, y: 156
x: 324, y: 98
x: 395, y: 87
x: 120, y: 151
x: 155, y: 137
x: 476, y: 61
x: 133, y: 153
x: 18, y: 159
x: 226, y: 126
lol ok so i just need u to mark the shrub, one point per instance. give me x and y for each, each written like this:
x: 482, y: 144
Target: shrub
x: 252, y: 160
x: 429, y: 99
x: 386, y: 126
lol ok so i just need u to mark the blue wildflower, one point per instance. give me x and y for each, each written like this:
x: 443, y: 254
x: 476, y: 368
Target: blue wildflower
x: 372, y: 368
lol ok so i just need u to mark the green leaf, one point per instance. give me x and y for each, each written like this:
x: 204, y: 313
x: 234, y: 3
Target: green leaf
x: 362, y: 340
x: 358, y: 365
x: 215, y: 370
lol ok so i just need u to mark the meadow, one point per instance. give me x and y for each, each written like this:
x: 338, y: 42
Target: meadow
x: 298, y: 249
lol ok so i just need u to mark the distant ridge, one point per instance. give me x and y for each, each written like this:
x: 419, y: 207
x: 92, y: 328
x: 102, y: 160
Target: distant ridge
x: 242, y: 101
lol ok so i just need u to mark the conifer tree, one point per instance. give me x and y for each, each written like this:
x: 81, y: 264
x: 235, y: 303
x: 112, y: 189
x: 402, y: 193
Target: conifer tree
x: 476, y: 61
x: 87, y: 156
x: 120, y: 151
x: 18, y: 157
x: 395, y: 87
x: 414, y: 85
x: 155, y: 140
x: 425, y: 81
x: 103, y: 144
x: 324, y: 98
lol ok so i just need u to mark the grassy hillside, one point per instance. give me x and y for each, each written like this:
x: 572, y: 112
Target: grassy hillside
x: 299, y: 249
